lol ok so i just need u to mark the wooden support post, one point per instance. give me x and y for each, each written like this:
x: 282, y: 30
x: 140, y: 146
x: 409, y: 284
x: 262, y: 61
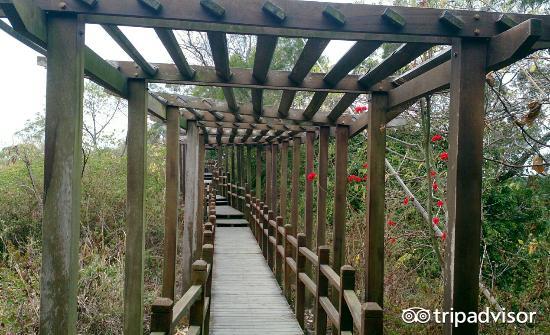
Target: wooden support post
x: 375, y: 219
x: 295, y: 187
x: 300, y: 286
x: 324, y: 133
x: 263, y: 227
x: 279, y: 260
x: 347, y: 283
x: 323, y: 253
x: 208, y: 257
x: 171, y: 198
x: 196, y: 313
x: 271, y: 247
x: 249, y: 169
x: 183, y: 147
x: 191, y: 194
x: 310, y: 138
x: 233, y: 176
x: 372, y: 319
x: 62, y: 169
x: 287, y: 270
x: 199, y: 221
x: 340, y: 201
x: 274, y: 186
x: 284, y: 180
x: 464, y: 181
x: 161, y: 315
x: 258, y: 181
x: 135, y: 220
x: 268, y: 175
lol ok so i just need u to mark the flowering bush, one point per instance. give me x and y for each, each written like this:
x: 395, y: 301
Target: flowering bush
x: 311, y: 176
x: 444, y: 156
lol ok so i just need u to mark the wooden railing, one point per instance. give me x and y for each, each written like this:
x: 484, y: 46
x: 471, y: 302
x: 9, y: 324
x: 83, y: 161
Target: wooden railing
x: 287, y: 255
x: 195, y: 303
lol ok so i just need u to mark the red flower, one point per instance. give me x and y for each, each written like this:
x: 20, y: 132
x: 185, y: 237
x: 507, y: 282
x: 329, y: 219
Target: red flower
x: 392, y: 240
x: 354, y: 178
x: 443, y: 236
x: 360, y: 109
x: 436, y: 138
x: 433, y: 173
x: 406, y: 201
x: 366, y: 166
x: 435, y: 220
x: 439, y: 203
x: 365, y: 178
x: 311, y: 176
x: 444, y: 156
x: 435, y: 186
x: 391, y: 223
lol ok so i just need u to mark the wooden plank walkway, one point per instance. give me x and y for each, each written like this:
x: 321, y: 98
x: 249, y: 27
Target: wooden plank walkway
x: 246, y: 298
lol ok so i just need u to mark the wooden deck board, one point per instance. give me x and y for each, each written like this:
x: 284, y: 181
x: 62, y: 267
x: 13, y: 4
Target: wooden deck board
x: 228, y: 211
x: 246, y: 299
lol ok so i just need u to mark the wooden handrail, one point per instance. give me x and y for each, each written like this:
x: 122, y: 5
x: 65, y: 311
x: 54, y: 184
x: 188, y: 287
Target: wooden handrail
x: 184, y: 304
x: 280, y: 246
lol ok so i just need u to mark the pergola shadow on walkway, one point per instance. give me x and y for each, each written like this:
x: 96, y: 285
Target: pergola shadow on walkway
x: 478, y: 42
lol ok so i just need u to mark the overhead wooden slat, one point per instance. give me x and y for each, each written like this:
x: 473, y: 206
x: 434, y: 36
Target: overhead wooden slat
x: 308, y: 57
x: 315, y: 104
x: 341, y: 106
x: 220, y: 55
x: 424, y: 67
x: 355, y: 55
x: 286, y: 103
x: 401, y: 57
x: 118, y: 36
x: 265, y: 48
x: 310, y: 54
x: 171, y: 44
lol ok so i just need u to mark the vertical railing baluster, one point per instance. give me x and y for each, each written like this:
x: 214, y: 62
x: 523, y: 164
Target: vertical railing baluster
x: 300, y: 287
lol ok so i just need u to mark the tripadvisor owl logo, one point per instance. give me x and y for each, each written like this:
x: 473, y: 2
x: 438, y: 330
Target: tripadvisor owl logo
x: 422, y: 315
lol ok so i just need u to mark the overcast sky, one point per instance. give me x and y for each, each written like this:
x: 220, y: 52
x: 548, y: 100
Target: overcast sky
x: 23, y: 82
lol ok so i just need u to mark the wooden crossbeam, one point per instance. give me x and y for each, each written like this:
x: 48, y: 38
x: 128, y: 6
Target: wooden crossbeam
x: 276, y: 80
x: 504, y: 49
x: 246, y: 111
x: 168, y: 39
x: 118, y: 36
x: 30, y: 22
x: 401, y: 57
x: 302, y: 19
x: 513, y: 44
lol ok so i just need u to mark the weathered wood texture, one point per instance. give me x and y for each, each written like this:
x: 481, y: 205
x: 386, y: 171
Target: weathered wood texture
x: 135, y: 208
x: 375, y: 219
x: 324, y: 133
x: 246, y: 298
x: 303, y: 19
x: 171, y: 206
x: 62, y: 168
x: 308, y: 207
x: 283, y: 182
x: 340, y: 201
x: 295, y: 185
x: 191, y: 194
x: 461, y: 288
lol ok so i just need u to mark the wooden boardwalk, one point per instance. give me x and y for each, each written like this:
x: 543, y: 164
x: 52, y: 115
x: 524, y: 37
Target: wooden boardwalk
x: 246, y: 298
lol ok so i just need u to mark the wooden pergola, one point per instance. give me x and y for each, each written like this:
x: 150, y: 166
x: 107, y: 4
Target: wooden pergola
x: 478, y: 42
